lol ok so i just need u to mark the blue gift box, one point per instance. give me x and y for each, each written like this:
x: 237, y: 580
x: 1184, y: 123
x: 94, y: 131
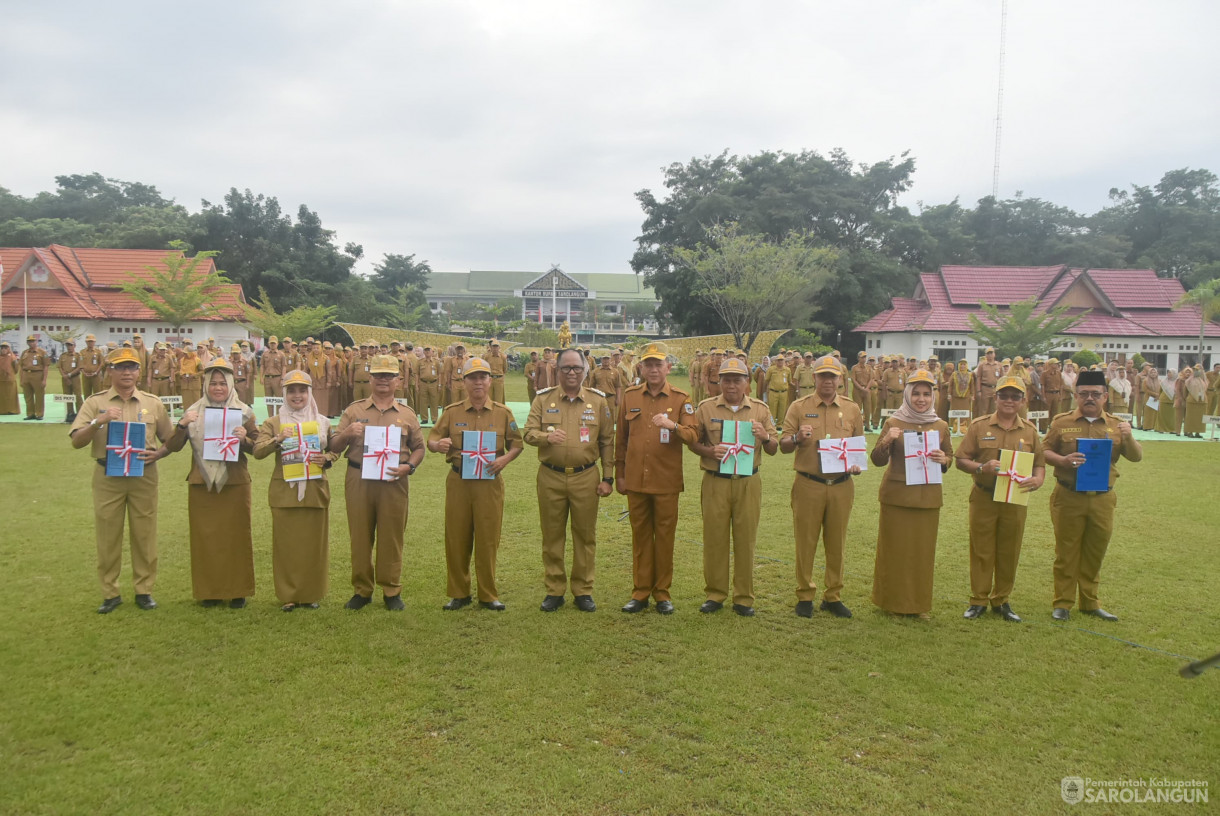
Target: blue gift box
x: 478, y: 451
x: 1094, y: 474
x: 124, y: 443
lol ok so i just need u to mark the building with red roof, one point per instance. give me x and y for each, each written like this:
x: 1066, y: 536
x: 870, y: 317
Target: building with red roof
x: 1125, y: 311
x: 58, y: 288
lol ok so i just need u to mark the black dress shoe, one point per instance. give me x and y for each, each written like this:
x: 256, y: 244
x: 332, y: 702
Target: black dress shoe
x: 665, y: 607
x: 358, y: 601
x: 1097, y: 613
x: 633, y: 606
x: 836, y: 608
x: 208, y: 603
x: 710, y: 606
x: 743, y: 610
x: 804, y: 609
x: 1060, y: 614
x: 146, y: 602
x: 551, y: 602
x: 314, y: 605
x: 109, y: 605
x: 456, y: 604
x: 974, y: 611
x: 394, y: 603
x: 1005, y: 612
x: 585, y: 603
x: 494, y: 606
x: 237, y: 603
x: 288, y: 607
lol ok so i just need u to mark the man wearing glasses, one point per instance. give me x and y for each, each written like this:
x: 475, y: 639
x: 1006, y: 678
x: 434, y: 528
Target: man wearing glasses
x: 996, y: 527
x: 1084, y: 521
x: 573, y: 428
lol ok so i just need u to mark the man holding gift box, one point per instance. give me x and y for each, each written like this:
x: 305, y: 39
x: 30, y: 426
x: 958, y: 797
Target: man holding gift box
x: 377, y: 508
x: 118, y: 498
x: 474, y: 507
x: 733, y: 430
x: 572, y: 427
x: 654, y: 419
x: 821, y: 501
x: 1084, y: 520
x: 997, y: 527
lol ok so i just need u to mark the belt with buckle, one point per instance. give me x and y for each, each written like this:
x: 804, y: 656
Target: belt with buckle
x: 823, y: 480
x: 1072, y: 488
x: 160, y: 378
x: 567, y: 470
x: 719, y: 475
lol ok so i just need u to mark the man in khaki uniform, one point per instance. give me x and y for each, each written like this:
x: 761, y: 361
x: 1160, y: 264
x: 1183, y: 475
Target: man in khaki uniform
x: 731, y: 502
x: 451, y: 375
x: 863, y: 388
x: 499, y: 367
x: 654, y: 420
x: 997, y: 528
x: 530, y: 371
x: 775, y: 382
x: 377, y: 510
x: 35, y: 366
x: 894, y: 382
x: 1052, y: 386
x: 1213, y: 390
x: 474, y: 508
x: 821, y: 502
x: 92, y: 360
x: 696, y: 376
x: 572, y: 427
x: 986, y: 375
x: 1084, y: 521
x: 120, y: 498
x: 362, y: 374
x: 243, y: 377
x: 189, y: 372
x: 429, y: 387
x: 622, y: 361
x: 711, y: 373
x: 161, y: 370
x: 274, y: 364
x: 69, y: 375
x: 606, y: 379
x: 804, y: 380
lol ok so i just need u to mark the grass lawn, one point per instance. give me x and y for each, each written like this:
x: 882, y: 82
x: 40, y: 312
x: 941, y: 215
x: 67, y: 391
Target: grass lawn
x: 189, y: 710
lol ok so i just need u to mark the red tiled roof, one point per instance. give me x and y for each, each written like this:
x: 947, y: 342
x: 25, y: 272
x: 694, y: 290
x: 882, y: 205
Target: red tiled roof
x: 997, y: 285
x: 1132, y: 288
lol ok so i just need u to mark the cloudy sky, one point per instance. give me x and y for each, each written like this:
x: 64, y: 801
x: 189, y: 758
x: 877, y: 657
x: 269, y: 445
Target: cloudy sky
x: 513, y: 134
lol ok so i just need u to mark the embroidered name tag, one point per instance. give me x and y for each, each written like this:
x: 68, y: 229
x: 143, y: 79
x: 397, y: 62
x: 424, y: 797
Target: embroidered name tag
x: 811, y: 416
x: 459, y: 424
x: 714, y: 419
x: 552, y: 410
x: 988, y: 438
x: 635, y: 410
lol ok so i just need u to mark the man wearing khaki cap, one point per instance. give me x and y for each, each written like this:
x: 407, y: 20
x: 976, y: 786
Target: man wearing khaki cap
x: 274, y: 364
x: 35, y: 366
x: 69, y: 375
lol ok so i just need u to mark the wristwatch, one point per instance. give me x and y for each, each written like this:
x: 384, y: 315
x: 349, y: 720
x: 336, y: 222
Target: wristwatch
x: 412, y: 471
x: 608, y: 480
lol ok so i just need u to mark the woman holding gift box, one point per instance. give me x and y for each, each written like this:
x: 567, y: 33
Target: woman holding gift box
x: 218, y: 492
x: 910, y: 513
x: 300, y: 510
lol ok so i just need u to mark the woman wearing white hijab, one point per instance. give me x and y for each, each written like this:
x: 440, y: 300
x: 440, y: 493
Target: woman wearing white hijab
x: 1167, y: 415
x: 1194, y: 383
x: 218, y: 495
x: 910, y: 514
x: 1120, y: 393
x: 300, y: 511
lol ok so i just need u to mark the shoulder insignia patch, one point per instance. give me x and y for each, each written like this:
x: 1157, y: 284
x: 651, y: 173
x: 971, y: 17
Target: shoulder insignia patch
x: 690, y: 409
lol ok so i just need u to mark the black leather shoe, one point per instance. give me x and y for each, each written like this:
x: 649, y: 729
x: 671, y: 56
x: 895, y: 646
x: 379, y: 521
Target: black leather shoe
x: 109, y: 605
x: 314, y: 605
x: 394, y: 603
x: 743, y: 610
x: 288, y: 607
x: 804, y: 609
x: 633, y: 606
x: 358, y: 601
x: 665, y: 607
x: 974, y: 611
x: 585, y: 603
x: 710, y: 606
x: 551, y: 602
x: 237, y: 603
x: 146, y: 602
x: 1097, y: 613
x: 836, y: 608
x: 1060, y: 614
x: 208, y: 603
x: 1005, y: 612
x: 456, y: 604
x: 494, y: 606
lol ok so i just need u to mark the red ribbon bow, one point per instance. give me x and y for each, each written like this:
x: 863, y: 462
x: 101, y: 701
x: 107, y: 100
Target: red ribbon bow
x: 839, y: 448
x: 382, y: 455
x: 736, y: 447
x: 226, y: 445
x: 481, y: 455
x: 922, y: 457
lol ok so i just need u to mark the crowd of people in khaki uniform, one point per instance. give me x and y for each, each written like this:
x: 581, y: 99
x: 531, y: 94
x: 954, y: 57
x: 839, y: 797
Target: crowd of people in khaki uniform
x: 602, y: 425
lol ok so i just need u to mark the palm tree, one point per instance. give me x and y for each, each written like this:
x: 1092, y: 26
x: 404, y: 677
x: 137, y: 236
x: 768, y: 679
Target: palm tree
x: 1207, y: 297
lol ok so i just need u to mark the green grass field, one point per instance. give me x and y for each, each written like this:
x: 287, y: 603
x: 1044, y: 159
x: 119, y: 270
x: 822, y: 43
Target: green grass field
x: 191, y: 710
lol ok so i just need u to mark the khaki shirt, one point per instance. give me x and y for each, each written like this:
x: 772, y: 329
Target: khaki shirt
x: 1067, y: 428
x: 709, y: 425
x: 893, y: 381
x: 804, y: 377
x: 641, y: 459
x: 142, y: 407
x: 161, y: 365
x: 711, y: 371
x: 839, y: 419
x: 498, y: 364
x: 274, y: 363
x: 360, y: 370
x: 397, y: 414
x: 91, y: 360
x: 553, y: 409
x: 986, y: 438
x: 35, y: 361
x: 607, y: 381
x: 777, y: 378
x: 429, y: 370
x: 462, y: 416
x: 69, y: 364
x: 189, y: 366
x: 862, y: 376
x: 987, y: 374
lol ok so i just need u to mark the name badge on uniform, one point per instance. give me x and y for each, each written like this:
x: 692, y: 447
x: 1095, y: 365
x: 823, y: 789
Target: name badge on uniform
x: 633, y: 410
x: 552, y: 410
x: 74, y: 364
x: 665, y: 434
x: 811, y: 416
x: 988, y: 438
x: 459, y: 424
x: 584, y: 433
x: 717, y: 419
x: 33, y: 361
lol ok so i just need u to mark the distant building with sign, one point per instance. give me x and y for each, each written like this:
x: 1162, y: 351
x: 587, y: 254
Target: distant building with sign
x: 1128, y: 311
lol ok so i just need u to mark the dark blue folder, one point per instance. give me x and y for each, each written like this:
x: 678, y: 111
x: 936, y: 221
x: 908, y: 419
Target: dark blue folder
x: 1094, y: 474
x: 124, y: 441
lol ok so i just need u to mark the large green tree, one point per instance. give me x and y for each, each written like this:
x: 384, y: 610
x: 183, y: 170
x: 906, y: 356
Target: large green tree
x: 1206, y: 296
x: 1022, y: 330
x: 299, y: 321
x: 178, y: 291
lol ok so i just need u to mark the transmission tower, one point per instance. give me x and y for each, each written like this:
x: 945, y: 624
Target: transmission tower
x: 999, y: 102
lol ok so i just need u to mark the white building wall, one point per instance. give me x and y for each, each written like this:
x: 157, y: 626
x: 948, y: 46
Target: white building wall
x: 224, y: 332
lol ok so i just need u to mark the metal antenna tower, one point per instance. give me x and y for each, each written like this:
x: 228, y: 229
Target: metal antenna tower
x: 999, y: 102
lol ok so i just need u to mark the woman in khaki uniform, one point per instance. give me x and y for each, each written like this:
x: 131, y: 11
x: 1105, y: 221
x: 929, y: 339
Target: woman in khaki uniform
x: 218, y: 496
x: 8, y: 381
x: 1166, y: 414
x: 300, y: 512
x: 1120, y: 393
x: 961, y: 393
x: 1195, y: 402
x: 910, y: 514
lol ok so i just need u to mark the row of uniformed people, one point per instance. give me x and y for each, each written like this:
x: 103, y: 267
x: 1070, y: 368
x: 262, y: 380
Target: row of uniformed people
x: 573, y: 428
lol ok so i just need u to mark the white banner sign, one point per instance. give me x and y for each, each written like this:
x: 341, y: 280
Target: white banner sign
x: 171, y: 400
x: 63, y: 398
x: 1211, y: 420
x: 959, y: 415
x: 887, y: 412
x: 1039, y: 414
x: 270, y: 401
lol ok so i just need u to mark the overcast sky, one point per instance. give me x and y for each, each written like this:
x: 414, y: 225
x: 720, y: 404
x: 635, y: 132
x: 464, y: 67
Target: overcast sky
x: 513, y: 134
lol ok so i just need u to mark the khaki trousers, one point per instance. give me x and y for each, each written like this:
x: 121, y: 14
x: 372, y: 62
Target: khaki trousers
x: 497, y: 388
x: 654, y: 519
x: 561, y: 496
x: 730, y: 505
x: 1083, y: 526
x: 777, y: 401
x: 273, y: 385
x: 162, y: 387
x: 116, y: 498
x: 865, y: 403
x: 429, y: 408
x: 90, y: 385
x: 361, y: 390
x: 820, y: 510
x: 376, y: 518
x: 35, y: 393
x: 878, y: 403
x: 474, y: 511
x: 996, y: 532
